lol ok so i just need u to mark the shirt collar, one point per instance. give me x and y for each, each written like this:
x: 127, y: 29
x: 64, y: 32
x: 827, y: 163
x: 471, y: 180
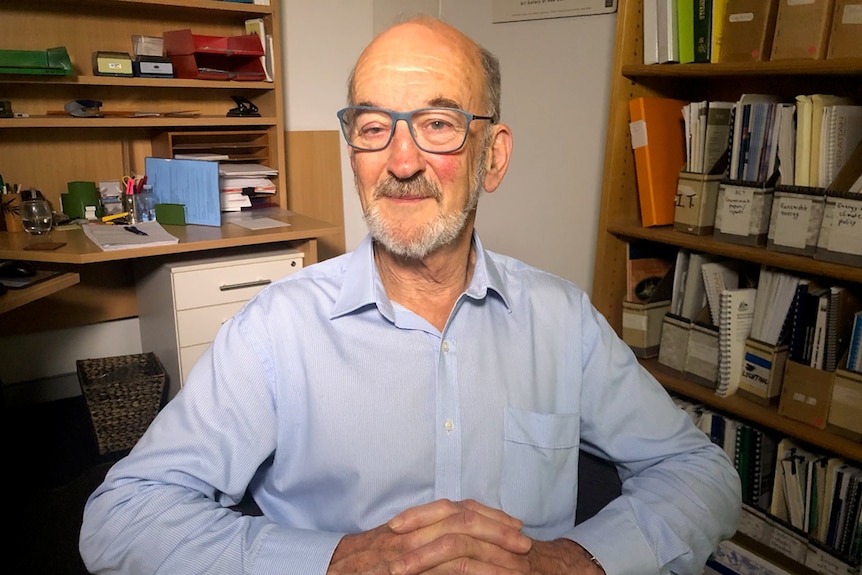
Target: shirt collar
x: 363, y: 287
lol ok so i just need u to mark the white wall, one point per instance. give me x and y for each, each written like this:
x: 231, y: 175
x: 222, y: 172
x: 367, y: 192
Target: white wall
x: 556, y: 83
x: 556, y: 79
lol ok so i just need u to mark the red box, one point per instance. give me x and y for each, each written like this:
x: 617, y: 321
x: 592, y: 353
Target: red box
x: 215, y: 57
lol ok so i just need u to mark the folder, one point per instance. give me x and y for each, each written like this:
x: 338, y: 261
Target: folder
x: 658, y: 142
x: 748, y: 30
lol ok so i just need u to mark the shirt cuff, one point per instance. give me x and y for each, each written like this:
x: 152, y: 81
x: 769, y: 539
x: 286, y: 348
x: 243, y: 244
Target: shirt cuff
x: 615, y: 541
x: 295, y: 552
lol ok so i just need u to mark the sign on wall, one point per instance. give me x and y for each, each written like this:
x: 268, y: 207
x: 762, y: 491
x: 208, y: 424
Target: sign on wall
x: 516, y: 10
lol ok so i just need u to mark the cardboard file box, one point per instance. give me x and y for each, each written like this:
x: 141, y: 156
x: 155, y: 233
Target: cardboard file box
x: 802, y: 29
x: 845, y: 410
x: 743, y: 212
x: 806, y: 394
x: 701, y: 362
x: 642, y: 326
x: 794, y: 224
x: 840, y: 238
x: 675, y: 332
x: 696, y: 200
x: 762, y: 372
x: 846, y: 30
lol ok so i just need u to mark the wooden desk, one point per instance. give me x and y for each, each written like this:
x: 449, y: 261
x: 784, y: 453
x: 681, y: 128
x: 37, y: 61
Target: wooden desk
x: 107, y: 291
x: 15, y: 298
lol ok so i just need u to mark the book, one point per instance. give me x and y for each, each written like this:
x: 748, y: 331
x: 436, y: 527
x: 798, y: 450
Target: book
x: 854, y: 355
x: 717, y: 277
x: 668, y: 37
x: 257, y: 26
x: 829, y: 497
x: 719, y: 8
x: 849, y: 177
x: 795, y: 477
x: 748, y: 30
x: 841, y: 132
x: 797, y: 330
x: 802, y: 29
x: 786, y: 142
x: 685, y: 30
x: 740, y: 132
x: 716, y: 137
x: 680, y: 273
x: 694, y: 298
x: 841, y: 306
x: 658, y: 142
x: 818, y: 102
x: 776, y: 292
x: 802, y: 150
x: 818, y: 345
x: 702, y: 31
x: 736, y: 311
x: 650, y: 28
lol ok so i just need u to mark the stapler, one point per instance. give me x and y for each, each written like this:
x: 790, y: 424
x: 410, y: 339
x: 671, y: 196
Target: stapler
x: 84, y: 108
x: 244, y: 109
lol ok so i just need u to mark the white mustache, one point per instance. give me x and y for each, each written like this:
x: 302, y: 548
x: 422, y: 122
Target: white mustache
x: 416, y: 187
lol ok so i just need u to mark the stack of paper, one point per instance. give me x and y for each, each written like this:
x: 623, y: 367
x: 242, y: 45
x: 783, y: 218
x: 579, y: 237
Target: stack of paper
x: 118, y: 237
x: 238, y: 183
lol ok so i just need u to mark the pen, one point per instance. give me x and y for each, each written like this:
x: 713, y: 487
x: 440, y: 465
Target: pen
x: 135, y: 230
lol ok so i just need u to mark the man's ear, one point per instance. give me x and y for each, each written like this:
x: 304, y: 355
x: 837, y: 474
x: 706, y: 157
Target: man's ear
x: 498, y: 156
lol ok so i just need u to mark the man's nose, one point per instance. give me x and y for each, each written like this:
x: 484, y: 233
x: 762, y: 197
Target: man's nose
x: 405, y: 157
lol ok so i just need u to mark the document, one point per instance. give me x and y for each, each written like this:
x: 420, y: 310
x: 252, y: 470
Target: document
x: 118, y: 237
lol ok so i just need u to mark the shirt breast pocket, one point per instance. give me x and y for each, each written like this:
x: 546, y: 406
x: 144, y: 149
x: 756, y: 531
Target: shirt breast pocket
x: 540, y: 468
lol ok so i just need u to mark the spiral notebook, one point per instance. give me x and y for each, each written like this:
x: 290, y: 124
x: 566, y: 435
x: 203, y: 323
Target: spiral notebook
x: 736, y: 313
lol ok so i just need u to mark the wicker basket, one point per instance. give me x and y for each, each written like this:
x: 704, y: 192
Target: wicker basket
x: 123, y: 395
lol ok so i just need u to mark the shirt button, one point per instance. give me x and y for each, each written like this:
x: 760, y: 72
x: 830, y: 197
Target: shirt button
x: 445, y: 346
x: 450, y: 425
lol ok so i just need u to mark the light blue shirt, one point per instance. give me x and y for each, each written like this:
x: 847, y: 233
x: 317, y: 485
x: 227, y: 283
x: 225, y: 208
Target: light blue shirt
x: 340, y: 408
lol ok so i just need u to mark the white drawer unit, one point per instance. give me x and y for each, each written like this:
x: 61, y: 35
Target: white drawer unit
x: 182, y: 304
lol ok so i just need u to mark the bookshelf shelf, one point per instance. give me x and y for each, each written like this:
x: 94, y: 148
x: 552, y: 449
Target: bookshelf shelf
x: 801, y: 264
x: 840, y: 67
x: 761, y: 415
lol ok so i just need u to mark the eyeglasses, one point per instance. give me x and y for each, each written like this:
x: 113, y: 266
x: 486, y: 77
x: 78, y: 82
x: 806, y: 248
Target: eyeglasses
x: 434, y: 130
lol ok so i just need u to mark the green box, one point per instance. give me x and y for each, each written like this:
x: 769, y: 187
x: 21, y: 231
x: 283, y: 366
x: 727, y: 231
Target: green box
x: 171, y: 214
x: 53, y: 61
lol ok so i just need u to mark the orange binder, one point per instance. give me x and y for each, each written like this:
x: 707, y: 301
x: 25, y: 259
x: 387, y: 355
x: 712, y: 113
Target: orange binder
x: 658, y: 142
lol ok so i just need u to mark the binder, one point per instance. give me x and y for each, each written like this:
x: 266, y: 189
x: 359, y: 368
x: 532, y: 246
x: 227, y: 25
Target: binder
x: 685, y: 29
x: 841, y: 133
x: 854, y: 356
x: 658, y: 142
x: 736, y: 312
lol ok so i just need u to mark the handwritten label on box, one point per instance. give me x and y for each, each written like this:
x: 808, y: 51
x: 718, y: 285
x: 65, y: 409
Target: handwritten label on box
x: 846, y: 233
x: 737, y: 210
x: 792, y: 221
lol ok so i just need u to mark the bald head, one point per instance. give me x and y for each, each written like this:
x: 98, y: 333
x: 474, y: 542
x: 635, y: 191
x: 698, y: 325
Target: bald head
x: 429, y: 44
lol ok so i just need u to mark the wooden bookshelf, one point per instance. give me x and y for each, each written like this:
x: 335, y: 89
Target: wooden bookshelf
x: 620, y: 222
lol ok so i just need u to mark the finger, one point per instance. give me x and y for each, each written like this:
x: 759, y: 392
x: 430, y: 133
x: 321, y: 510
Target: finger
x: 430, y: 513
x: 460, y: 554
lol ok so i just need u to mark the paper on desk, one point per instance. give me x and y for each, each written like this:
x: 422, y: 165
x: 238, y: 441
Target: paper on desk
x: 116, y: 237
x: 258, y: 223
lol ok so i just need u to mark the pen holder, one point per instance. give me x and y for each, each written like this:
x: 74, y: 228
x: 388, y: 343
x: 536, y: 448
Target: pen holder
x: 131, y: 209
x: 11, y: 204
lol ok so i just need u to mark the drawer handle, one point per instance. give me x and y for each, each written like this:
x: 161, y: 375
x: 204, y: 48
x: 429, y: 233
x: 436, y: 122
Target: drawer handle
x: 256, y: 283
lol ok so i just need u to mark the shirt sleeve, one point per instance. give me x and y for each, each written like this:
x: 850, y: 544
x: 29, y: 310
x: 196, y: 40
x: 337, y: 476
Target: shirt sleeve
x: 680, y: 492
x: 165, y: 507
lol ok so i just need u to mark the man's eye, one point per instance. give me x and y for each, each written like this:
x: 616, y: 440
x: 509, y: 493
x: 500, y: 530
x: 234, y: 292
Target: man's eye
x: 372, y: 131
x: 438, y: 125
